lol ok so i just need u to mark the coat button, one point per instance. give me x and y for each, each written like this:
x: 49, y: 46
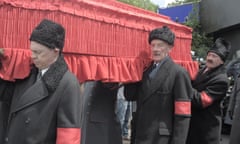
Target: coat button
x: 27, y: 120
x: 6, y: 139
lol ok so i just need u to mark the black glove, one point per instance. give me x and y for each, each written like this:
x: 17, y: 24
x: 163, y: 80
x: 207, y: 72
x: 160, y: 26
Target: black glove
x: 111, y: 85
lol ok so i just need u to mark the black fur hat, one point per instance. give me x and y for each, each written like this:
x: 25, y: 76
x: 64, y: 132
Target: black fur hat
x: 163, y: 33
x: 221, y: 48
x: 49, y: 33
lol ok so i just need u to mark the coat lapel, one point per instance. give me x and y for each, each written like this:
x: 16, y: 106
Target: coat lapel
x: 32, y: 95
x: 32, y: 91
x: 155, y: 83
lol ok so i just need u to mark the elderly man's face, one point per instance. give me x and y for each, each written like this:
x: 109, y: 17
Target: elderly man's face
x: 160, y: 49
x: 213, y: 60
x: 43, y: 56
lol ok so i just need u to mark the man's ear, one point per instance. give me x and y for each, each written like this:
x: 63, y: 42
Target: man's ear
x: 57, y: 50
x: 170, y: 47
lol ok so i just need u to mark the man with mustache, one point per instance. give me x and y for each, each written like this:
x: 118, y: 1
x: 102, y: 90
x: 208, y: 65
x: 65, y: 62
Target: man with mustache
x: 163, y: 96
x: 209, y: 88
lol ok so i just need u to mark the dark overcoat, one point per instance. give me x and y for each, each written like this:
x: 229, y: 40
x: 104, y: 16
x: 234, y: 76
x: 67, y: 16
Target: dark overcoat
x: 45, y: 111
x: 100, y: 124
x: 209, y: 89
x: 5, y: 88
x: 4, y: 111
x: 235, y: 105
x: 163, y: 105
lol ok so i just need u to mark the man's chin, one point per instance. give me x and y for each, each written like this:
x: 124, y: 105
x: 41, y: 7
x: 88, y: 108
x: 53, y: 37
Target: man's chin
x: 156, y: 59
x: 37, y: 66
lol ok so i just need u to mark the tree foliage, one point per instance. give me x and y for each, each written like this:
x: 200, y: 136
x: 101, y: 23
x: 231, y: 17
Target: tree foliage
x: 200, y: 41
x: 179, y: 2
x: 145, y: 4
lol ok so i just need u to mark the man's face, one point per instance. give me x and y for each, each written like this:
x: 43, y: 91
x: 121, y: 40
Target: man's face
x: 43, y: 56
x: 213, y: 60
x: 160, y: 49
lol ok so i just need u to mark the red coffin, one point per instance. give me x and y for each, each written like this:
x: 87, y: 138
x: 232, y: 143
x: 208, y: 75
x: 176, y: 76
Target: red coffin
x: 105, y: 40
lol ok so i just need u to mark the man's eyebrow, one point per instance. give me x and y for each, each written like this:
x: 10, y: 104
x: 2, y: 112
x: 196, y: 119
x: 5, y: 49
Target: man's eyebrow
x: 36, y: 51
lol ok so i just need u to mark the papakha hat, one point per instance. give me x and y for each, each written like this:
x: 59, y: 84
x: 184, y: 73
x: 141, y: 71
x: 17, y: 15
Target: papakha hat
x: 163, y: 33
x: 221, y: 48
x: 49, y: 33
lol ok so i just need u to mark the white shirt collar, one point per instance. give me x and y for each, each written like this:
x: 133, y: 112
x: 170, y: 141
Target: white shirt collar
x: 44, y: 71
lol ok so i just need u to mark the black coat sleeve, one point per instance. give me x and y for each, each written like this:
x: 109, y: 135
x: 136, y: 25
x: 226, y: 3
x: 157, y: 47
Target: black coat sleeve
x: 182, y: 107
x: 69, y: 114
x: 214, y: 91
x: 6, y: 90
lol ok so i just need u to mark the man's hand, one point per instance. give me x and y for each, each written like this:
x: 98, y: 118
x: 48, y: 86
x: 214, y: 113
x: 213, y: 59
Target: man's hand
x: 1, y: 51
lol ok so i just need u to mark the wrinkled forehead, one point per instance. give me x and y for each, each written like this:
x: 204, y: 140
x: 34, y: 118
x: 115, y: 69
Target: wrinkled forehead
x: 35, y: 46
x: 157, y: 41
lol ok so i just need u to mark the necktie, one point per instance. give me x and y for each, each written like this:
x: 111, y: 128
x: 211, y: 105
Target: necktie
x: 39, y: 76
x: 153, y: 71
x: 152, y: 68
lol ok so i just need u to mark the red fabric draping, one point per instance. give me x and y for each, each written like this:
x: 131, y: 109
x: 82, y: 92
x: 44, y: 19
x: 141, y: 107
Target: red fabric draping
x: 104, y: 40
x: 106, y: 68
x: 17, y: 65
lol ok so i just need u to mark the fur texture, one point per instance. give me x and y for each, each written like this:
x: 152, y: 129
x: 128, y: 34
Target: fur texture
x: 54, y: 74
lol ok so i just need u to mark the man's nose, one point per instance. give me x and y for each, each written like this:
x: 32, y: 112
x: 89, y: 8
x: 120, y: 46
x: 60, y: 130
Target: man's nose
x: 33, y: 56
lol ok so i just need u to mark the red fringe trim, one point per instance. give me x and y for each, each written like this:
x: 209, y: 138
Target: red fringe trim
x: 16, y: 65
x: 105, y: 40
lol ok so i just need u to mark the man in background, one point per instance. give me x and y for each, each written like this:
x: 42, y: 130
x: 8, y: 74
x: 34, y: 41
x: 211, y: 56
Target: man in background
x: 209, y: 88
